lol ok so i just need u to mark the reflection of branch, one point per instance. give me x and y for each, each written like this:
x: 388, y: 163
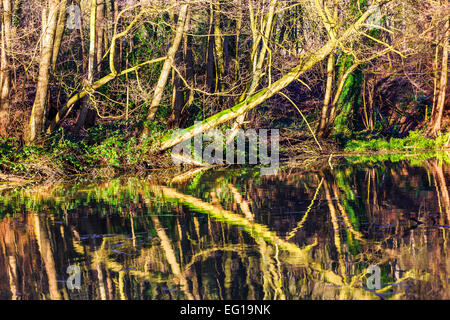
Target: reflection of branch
x: 170, y: 256
x: 348, y: 224
x: 101, y: 255
x: 254, y: 229
x: 243, y: 204
x: 271, y: 274
x: 336, y: 230
x: 207, y: 252
x: 298, y: 256
x: 305, y: 216
x: 187, y: 175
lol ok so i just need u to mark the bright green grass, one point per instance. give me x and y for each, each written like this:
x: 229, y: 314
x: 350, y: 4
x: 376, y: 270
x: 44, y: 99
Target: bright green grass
x: 416, y: 141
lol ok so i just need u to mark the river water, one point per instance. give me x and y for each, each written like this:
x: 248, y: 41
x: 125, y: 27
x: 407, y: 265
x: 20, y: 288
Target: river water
x: 344, y: 231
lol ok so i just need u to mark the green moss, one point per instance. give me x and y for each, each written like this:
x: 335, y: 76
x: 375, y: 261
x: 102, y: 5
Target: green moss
x: 413, y: 142
x: 350, y: 96
x: 413, y: 158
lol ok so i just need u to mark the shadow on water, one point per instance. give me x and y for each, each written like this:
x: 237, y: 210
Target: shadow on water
x: 233, y: 234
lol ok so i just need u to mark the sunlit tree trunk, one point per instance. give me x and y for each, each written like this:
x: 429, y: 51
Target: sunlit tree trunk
x: 436, y: 117
x: 258, y: 58
x: 5, y: 77
x: 210, y: 64
x: 323, y: 129
x: 61, y: 24
x: 238, y: 35
x: 91, y: 64
x: 165, y: 72
x: 100, y: 32
x: 219, y: 46
x: 325, y: 115
x: 38, y: 113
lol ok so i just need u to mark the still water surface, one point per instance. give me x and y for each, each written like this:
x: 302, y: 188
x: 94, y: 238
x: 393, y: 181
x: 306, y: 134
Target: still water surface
x: 305, y: 233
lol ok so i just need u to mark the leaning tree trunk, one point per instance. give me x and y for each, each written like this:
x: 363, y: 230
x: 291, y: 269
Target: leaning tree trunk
x: 159, y: 89
x: 59, y: 33
x: 38, y: 113
x: 258, y: 59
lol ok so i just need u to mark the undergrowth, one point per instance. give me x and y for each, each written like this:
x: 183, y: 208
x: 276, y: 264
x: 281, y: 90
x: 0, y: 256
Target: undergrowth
x: 104, y: 146
x: 415, y: 141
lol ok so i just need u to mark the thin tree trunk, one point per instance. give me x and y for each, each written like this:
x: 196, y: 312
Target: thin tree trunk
x: 179, y: 90
x: 218, y: 45
x: 210, y: 68
x: 159, y: 89
x: 91, y: 64
x: 100, y: 32
x: 210, y: 65
x: 59, y: 32
x: 436, y: 119
x: 238, y: 34
x: 258, y: 61
x: 5, y: 76
x: 322, y: 128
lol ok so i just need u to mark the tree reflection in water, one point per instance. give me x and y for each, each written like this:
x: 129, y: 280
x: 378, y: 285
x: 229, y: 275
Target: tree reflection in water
x: 232, y: 234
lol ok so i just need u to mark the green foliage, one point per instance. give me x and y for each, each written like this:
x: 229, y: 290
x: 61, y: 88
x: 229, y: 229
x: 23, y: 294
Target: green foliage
x: 105, y: 146
x: 17, y: 158
x: 414, y: 160
x: 414, y: 141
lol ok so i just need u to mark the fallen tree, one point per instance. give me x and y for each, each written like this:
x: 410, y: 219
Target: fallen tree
x: 306, y: 63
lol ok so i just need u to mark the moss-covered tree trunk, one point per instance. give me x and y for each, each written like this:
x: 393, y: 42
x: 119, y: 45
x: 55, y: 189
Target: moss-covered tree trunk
x: 348, y: 95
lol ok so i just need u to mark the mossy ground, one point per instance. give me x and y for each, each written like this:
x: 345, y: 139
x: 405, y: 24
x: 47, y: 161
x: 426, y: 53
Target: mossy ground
x: 415, y: 141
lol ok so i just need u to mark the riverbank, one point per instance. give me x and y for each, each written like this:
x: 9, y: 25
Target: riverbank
x: 108, y: 152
